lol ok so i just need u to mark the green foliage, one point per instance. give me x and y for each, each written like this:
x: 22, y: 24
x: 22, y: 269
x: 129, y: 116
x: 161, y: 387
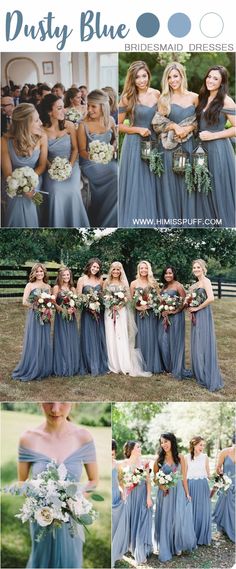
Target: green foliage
x: 90, y: 414
x: 156, y: 164
x: 196, y: 65
x: 130, y: 421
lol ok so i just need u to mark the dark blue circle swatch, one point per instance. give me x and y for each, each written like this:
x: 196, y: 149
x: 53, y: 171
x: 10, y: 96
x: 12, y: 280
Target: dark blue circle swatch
x: 179, y: 25
x: 147, y: 25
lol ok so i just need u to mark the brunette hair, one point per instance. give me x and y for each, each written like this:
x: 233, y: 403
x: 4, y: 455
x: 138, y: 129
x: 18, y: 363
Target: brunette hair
x: 59, y: 279
x: 128, y: 447
x: 46, y: 107
x: 212, y: 112
x: 69, y: 95
x: 130, y: 91
x: 113, y: 444
x: 194, y: 441
x: 174, y: 448
x: 164, y: 272
x: 87, y: 269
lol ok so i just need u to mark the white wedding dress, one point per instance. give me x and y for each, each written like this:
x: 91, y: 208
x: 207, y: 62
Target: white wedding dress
x: 120, y: 340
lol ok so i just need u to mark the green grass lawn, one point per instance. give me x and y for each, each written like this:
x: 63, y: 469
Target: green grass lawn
x: 113, y: 387
x: 15, y: 535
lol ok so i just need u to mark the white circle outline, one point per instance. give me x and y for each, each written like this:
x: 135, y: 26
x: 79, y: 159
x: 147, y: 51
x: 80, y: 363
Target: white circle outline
x: 215, y: 14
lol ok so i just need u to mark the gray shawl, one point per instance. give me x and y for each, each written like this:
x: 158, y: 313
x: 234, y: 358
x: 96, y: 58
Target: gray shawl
x: 169, y: 139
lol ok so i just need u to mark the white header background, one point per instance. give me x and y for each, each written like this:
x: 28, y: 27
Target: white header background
x: 211, y: 12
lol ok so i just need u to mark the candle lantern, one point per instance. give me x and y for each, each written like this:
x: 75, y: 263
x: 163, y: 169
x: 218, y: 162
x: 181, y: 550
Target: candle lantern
x: 199, y: 156
x: 146, y: 148
x: 179, y: 160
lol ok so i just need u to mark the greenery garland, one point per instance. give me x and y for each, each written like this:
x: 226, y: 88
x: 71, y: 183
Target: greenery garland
x: 156, y: 162
x: 188, y: 177
x: 202, y: 179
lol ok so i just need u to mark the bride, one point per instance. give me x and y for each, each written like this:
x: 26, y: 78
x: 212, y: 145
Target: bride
x: 120, y: 327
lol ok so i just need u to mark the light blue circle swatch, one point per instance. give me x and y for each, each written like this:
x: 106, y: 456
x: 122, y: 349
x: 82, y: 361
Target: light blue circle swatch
x: 179, y: 25
x: 147, y: 25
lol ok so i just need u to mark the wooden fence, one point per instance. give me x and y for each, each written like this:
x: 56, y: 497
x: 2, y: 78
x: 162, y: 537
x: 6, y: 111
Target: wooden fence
x: 13, y: 280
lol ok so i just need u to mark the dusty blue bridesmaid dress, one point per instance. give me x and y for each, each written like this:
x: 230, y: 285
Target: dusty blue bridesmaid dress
x: 21, y: 211
x: 140, y: 523
x: 174, y: 530
x: 147, y: 340
x: 36, y: 358
x: 172, y: 343
x: 61, y: 550
x: 220, y: 202
x: 66, y: 208
x: 137, y: 184
x: 103, y: 181
x: 120, y: 521
x: 65, y: 343
x: 224, y: 512
x: 203, y: 350
x: 200, y: 493
x: 173, y: 200
x: 93, y: 351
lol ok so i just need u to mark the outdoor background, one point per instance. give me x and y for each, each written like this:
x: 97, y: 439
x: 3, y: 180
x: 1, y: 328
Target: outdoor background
x: 74, y: 247
x: 145, y: 422
x: 15, y: 419
x: 196, y: 65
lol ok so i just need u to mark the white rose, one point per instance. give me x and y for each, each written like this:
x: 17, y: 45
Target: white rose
x: 72, y: 303
x: 44, y: 516
x: 143, y: 302
x: 120, y: 294
x: 162, y: 480
x: 40, y: 300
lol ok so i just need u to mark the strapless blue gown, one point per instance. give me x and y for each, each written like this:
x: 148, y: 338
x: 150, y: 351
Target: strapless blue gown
x: 174, y: 202
x: 65, y: 344
x: 36, y: 358
x: 140, y: 523
x: 21, y: 211
x: 63, y: 550
x: 203, y: 350
x: 224, y: 512
x: 147, y: 341
x: 172, y: 344
x: 220, y: 203
x: 174, y: 529
x: 120, y: 521
x: 66, y: 208
x: 103, y: 181
x: 93, y: 351
x: 138, y: 186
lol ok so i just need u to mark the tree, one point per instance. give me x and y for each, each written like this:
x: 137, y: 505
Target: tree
x: 130, y: 421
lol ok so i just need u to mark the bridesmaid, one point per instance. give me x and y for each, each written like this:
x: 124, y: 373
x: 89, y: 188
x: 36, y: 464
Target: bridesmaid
x: 198, y: 473
x: 214, y: 109
x: 203, y: 342
x: 57, y: 438
x: 120, y: 520
x: 224, y: 512
x: 66, y: 208
x: 121, y: 331
x: 137, y: 184
x: 66, y: 335
x: 99, y: 125
x: 72, y: 101
x: 172, y: 337
x: 36, y: 359
x: 176, y: 104
x: 24, y: 145
x: 174, y: 530
x: 146, y: 321
x: 93, y: 352
x: 139, y: 504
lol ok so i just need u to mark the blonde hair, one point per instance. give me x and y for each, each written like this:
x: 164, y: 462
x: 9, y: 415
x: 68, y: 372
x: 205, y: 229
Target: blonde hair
x: 151, y: 280
x: 202, y: 263
x: 194, y: 441
x: 164, y: 100
x: 99, y: 97
x: 59, y: 279
x: 22, y: 117
x: 112, y: 98
x: 130, y: 91
x: 32, y: 277
x: 122, y: 277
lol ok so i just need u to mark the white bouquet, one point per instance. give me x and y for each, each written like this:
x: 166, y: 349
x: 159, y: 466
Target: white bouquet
x: 60, y: 169
x: 52, y: 499
x: 22, y: 181
x: 222, y: 482
x: 73, y: 115
x: 101, y: 152
x: 167, y: 478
